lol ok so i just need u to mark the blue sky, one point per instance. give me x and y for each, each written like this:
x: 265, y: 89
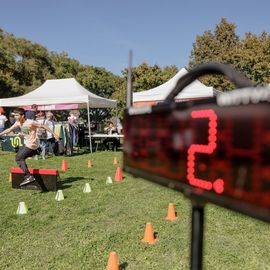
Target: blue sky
x: 101, y: 32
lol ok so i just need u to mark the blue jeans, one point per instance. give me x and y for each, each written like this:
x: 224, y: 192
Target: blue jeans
x: 50, y: 145
x: 42, y: 145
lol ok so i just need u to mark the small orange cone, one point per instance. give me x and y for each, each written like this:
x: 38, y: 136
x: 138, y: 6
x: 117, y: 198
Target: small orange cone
x: 149, y: 234
x: 115, y: 161
x: 171, y: 213
x: 118, y: 175
x: 89, y: 164
x: 64, y: 165
x: 10, y: 178
x: 112, y: 262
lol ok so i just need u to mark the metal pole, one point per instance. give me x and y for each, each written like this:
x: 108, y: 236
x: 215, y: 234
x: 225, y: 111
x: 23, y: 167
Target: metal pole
x: 89, y: 127
x: 197, y: 236
x: 129, y: 100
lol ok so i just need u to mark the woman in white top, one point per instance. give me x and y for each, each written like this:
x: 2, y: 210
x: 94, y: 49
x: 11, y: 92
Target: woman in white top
x: 50, y: 123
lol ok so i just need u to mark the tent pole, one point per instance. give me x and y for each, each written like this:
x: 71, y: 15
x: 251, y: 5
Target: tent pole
x: 89, y: 127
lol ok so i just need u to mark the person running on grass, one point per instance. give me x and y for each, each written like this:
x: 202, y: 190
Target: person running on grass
x: 29, y: 130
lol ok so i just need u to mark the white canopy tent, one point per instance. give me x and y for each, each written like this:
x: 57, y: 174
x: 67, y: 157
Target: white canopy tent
x: 195, y: 90
x: 61, y: 91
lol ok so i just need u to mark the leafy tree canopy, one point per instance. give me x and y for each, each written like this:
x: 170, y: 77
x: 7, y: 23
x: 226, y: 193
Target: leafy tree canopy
x: 25, y: 65
x: 250, y: 55
x: 144, y: 77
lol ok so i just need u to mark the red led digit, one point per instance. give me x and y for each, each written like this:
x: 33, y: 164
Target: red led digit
x: 218, y: 184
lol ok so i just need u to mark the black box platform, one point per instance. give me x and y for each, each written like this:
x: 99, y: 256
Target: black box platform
x: 46, y: 179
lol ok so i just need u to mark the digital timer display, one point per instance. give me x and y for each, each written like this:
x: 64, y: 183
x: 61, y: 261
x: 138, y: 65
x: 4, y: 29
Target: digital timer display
x: 217, y: 153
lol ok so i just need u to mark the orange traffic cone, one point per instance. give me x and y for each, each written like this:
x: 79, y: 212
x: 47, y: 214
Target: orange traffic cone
x: 89, y: 164
x: 112, y: 262
x: 171, y: 213
x: 118, y: 175
x: 64, y: 165
x: 10, y: 178
x: 115, y: 161
x: 149, y: 234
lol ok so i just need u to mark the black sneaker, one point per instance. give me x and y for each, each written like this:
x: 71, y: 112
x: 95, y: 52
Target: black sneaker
x: 28, y: 180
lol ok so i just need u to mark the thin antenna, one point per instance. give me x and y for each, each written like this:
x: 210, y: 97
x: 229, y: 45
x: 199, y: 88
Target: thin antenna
x: 129, y: 82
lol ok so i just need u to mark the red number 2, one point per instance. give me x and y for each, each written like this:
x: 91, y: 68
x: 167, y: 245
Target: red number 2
x: 218, y: 184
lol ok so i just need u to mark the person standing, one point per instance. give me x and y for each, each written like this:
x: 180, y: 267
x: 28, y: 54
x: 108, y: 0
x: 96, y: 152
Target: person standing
x: 42, y: 135
x: 29, y: 131
x: 110, y: 130
x: 3, y: 119
x: 50, y: 123
x: 31, y: 114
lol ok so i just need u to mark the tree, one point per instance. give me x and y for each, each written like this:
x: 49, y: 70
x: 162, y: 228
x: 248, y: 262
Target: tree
x: 98, y: 80
x: 120, y: 95
x: 8, y: 84
x: 102, y: 83
x: 215, y: 47
x: 144, y: 77
x: 250, y: 55
x: 63, y: 66
x: 24, y: 65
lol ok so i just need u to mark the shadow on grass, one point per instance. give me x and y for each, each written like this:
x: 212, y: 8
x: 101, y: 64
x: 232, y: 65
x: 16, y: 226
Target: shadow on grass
x: 64, y: 186
x: 81, y: 152
x: 123, y: 266
x: 64, y: 183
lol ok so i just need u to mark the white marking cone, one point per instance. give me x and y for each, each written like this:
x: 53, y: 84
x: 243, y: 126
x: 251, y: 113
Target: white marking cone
x: 87, y: 188
x: 109, y: 180
x: 22, y: 208
x: 59, y: 195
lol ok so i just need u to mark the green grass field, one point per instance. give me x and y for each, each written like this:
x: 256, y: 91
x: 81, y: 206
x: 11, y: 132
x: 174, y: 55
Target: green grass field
x: 80, y: 231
